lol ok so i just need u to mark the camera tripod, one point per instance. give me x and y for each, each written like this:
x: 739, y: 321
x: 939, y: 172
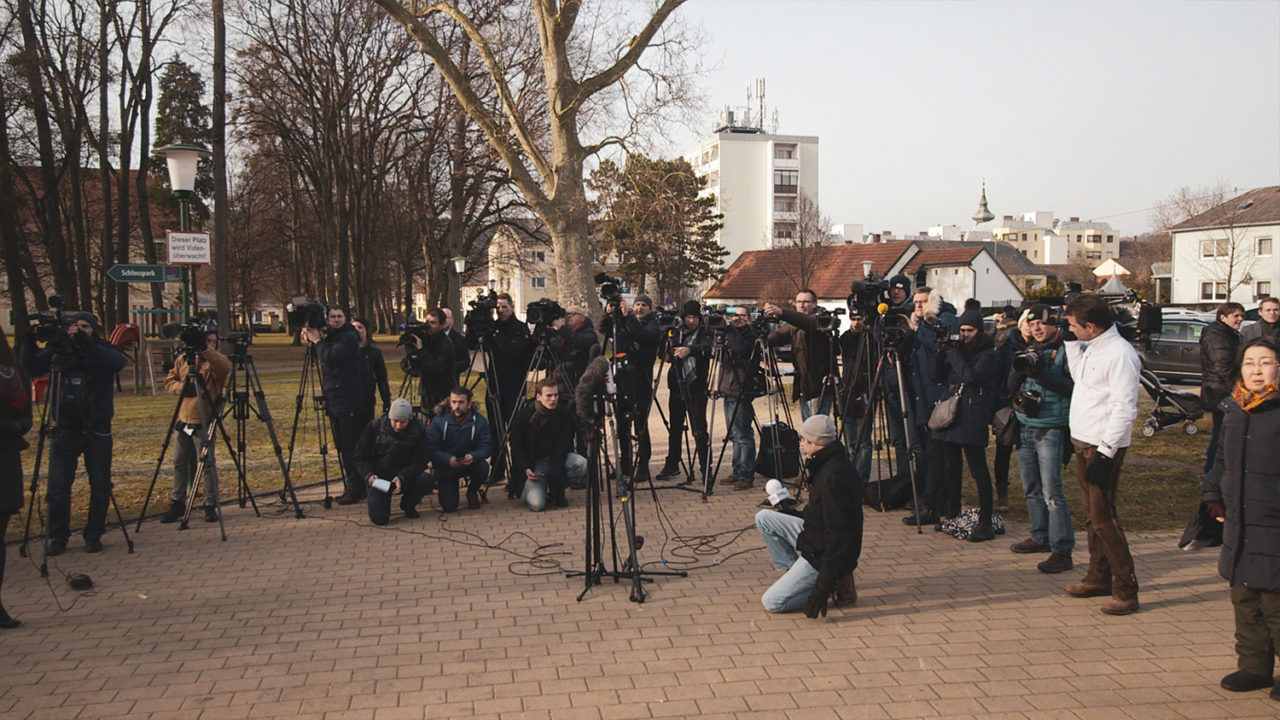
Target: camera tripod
x: 50, y: 411
x: 687, y: 462
x: 243, y: 383
x: 310, y: 386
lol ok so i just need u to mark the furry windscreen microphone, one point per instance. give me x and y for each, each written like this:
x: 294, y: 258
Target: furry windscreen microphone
x: 80, y: 582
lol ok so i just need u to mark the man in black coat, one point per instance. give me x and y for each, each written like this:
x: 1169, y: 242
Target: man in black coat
x: 431, y: 358
x: 1218, y: 345
x: 638, y: 338
x: 541, y: 435
x: 811, y: 349
x: 461, y: 350
x: 687, y: 385
x: 345, y: 377
x: 510, y: 351
x: 820, y: 551
x: 86, y: 405
x: 576, y: 344
x: 1268, y: 325
x: 393, y: 448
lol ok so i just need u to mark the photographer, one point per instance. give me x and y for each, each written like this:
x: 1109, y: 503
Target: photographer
x: 86, y: 404
x: 192, y: 427
x: 738, y: 388
x: 576, y: 344
x: 461, y: 351
x: 393, y: 448
x: 820, y: 550
x: 690, y: 357
x: 15, y: 421
x: 541, y: 435
x: 510, y: 353
x: 1012, y: 337
x: 811, y: 349
x: 346, y: 380
x: 377, y: 364
x: 1106, y: 369
x: 431, y: 357
x: 639, y: 338
x: 932, y: 320
x: 1041, y: 391
x: 970, y: 368
x: 459, y: 439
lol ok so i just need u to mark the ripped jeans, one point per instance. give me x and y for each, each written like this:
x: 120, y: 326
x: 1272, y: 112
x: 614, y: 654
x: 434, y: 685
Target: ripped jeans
x: 1040, y: 463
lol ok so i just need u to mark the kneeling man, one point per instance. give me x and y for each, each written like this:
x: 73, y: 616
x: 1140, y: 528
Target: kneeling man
x: 393, y: 448
x: 541, y: 434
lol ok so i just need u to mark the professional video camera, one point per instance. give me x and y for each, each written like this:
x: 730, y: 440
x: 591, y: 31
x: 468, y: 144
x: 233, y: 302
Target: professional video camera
x: 865, y: 297
x: 714, y: 319
x: 191, y: 334
x: 240, y: 342
x: 829, y: 320
x: 305, y: 312
x: 482, y: 314
x: 47, y: 327
x: 411, y: 330
x: 543, y: 312
x: 610, y: 288
x: 667, y: 318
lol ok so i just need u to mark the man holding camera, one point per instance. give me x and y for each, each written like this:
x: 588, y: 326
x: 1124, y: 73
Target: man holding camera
x: 932, y: 321
x: 85, y: 402
x: 1106, y: 370
x: 738, y: 387
x: 510, y: 353
x: 811, y: 349
x: 576, y: 345
x: 541, y: 435
x: 460, y: 446
x: 1041, y: 389
x: 195, y: 414
x: 345, y: 376
x: 461, y: 351
x: 646, y: 340
x: 391, y: 457
x: 687, y: 388
x: 431, y: 356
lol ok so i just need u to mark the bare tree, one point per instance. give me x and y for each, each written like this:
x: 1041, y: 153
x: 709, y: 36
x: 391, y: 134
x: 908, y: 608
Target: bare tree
x: 807, y: 236
x: 1187, y: 202
x: 1227, y: 256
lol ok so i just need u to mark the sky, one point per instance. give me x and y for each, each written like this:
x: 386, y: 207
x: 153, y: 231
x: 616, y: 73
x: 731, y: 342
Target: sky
x: 1094, y: 109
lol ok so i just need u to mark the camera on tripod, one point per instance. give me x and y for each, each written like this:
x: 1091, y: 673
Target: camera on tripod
x: 411, y: 330
x: 305, y: 312
x: 714, y: 319
x: 865, y: 297
x: 610, y: 288
x: 667, y: 318
x: 47, y: 327
x: 191, y: 334
x: 482, y: 314
x: 828, y: 321
x: 543, y: 312
x: 240, y: 342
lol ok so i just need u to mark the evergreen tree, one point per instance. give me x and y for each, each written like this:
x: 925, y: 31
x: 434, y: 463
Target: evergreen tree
x: 183, y: 117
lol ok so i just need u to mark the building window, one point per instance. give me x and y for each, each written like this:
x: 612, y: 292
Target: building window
x: 1213, y: 291
x: 784, y: 204
x: 1215, y: 248
x: 538, y: 256
x: 1263, y: 290
x: 1111, y: 238
x: 1024, y: 236
x: 1093, y: 255
x: 538, y: 281
x: 1264, y: 247
x: 784, y: 152
x: 786, y: 181
x: 784, y: 231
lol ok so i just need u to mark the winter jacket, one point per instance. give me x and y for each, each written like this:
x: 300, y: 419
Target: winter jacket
x: 15, y: 421
x: 1218, y: 345
x: 576, y: 349
x: 831, y: 539
x: 461, y: 354
x: 646, y: 337
x: 540, y: 434
x: 738, y: 369
x: 1258, y: 330
x: 1246, y: 479
x: 379, y: 385
x: 1104, y: 402
x: 928, y: 385
x: 195, y: 410
x: 856, y: 369
x: 1009, y: 342
x: 811, y: 350
x: 1052, y: 382
x: 512, y: 351
x: 344, y: 373
x: 448, y: 437
x: 387, y: 453
x: 433, y: 364
x: 699, y: 344
x: 88, y: 382
x: 974, y: 367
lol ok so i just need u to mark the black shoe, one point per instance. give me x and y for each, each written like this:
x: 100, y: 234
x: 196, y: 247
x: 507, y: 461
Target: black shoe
x: 210, y: 515
x: 54, y: 548
x: 641, y: 474
x: 982, y: 533
x: 559, y: 500
x: 1275, y: 691
x: 6, y: 621
x: 410, y: 510
x: 173, y: 514
x: 743, y: 484
x: 926, y: 518
x: 1057, y: 562
x: 1029, y: 547
x: 1244, y: 681
x: 667, y: 472
x: 347, y: 499
x: 93, y: 547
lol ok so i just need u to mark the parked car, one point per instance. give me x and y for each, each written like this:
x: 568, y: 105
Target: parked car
x: 1174, y: 354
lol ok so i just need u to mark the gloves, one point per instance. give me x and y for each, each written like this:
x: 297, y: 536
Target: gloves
x: 818, y: 598
x: 1216, y: 510
x: 1100, y: 470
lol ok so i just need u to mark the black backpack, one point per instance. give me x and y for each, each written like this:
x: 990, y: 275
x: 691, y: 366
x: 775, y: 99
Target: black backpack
x: 788, y: 455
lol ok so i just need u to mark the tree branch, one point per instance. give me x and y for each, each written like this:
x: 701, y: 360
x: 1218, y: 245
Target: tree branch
x: 636, y: 48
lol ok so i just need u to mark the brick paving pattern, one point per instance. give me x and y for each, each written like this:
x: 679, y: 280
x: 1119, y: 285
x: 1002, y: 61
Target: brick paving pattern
x: 331, y: 618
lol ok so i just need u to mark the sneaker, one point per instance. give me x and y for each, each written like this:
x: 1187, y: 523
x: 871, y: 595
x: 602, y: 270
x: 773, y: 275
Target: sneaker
x: 54, y: 548
x: 210, y: 515
x: 1245, y: 681
x: 93, y: 547
x: 1029, y: 547
x: 173, y: 514
x: 982, y: 533
x: 1057, y: 562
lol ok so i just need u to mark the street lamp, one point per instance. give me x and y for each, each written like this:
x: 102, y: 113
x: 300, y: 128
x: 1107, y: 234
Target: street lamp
x: 183, y: 160
x: 459, y: 264
x: 866, y: 268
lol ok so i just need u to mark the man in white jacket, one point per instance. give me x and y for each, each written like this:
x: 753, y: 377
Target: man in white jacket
x: 1105, y: 368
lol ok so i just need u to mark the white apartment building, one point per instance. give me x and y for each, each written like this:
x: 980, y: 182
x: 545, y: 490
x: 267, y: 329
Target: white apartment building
x: 757, y: 178
x: 1228, y: 252
x: 1047, y: 240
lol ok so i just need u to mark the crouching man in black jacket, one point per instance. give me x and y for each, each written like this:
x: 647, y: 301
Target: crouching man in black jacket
x: 819, y: 551
x: 541, y: 434
x: 393, y: 448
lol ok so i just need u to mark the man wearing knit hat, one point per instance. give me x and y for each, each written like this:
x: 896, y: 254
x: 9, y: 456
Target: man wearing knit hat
x: 391, y: 456
x: 819, y: 551
x: 687, y: 383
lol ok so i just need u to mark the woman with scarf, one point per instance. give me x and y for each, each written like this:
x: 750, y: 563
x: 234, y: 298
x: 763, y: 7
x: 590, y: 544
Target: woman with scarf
x: 972, y: 370
x: 1242, y: 491
x: 15, y: 421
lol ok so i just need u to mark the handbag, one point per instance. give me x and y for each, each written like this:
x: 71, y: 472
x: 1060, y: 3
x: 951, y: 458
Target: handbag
x: 946, y: 411
x: 1005, y: 426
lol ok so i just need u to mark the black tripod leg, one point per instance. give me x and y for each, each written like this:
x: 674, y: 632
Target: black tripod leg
x: 35, y: 484
x: 164, y: 448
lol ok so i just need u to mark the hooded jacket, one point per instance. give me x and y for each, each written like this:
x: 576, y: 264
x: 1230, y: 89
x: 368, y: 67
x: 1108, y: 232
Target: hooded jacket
x: 448, y: 437
x: 88, y: 392
x: 831, y: 538
x: 928, y: 385
x: 344, y: 373
x: 433, y: 365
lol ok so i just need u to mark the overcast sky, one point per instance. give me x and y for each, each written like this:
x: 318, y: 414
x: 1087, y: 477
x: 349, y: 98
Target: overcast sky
x: 1090, y: 109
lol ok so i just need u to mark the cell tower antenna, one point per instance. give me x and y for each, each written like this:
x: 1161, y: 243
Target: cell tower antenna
x: 760, y: 97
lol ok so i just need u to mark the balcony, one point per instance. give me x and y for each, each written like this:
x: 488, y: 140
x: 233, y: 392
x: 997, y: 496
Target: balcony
x: 786, y: 163
x: 786, y: 189
x: 785, y: 215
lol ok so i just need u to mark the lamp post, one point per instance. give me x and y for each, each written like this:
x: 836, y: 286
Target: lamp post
x: 459, y: 266
x: 183, y: 160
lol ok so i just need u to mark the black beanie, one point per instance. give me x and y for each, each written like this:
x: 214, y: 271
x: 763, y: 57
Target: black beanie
x: 972, y: 318
x: 690, y: 307
x: 901, y: 281
x: 1040, y: 312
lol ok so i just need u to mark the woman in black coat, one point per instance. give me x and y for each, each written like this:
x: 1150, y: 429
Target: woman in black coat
x: 971, y: 369
x: 15, y: 421
x: 1243, y: 492
x: 377, y: 368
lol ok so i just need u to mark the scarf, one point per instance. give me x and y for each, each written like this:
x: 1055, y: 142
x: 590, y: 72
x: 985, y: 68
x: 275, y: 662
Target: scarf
x: 1249, y: 400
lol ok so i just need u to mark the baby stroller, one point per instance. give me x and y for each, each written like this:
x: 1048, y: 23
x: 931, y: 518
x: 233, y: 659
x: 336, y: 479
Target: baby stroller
x: 1171, y: 408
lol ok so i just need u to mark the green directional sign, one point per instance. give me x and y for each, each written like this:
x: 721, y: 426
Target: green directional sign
x: 137, y: 273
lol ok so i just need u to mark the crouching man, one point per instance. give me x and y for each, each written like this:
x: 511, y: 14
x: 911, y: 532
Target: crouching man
x: 460, y: 448
x: 541, y: 433
x: 391, y: 457
x: 820, y: 550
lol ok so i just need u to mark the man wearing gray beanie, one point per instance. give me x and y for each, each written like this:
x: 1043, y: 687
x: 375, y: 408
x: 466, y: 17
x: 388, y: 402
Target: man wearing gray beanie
x: 820, y: 550
x: 392, y: 456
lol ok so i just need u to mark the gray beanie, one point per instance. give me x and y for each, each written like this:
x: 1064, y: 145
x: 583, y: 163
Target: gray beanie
x: 820, y: 429
x: 401, y: 409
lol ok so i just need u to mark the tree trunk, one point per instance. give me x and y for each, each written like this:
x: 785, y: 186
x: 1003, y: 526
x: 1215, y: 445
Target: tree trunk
x: 84, y: 286
x: 105, y: 308
x: 222, y: 289
x: 144, y: 172
x: 119, y: 292
x: 570, y: 237
x: 9, y: 227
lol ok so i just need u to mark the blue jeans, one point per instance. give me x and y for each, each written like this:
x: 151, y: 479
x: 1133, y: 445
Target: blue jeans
x: 535, y: 491
x: 1040, y: 463
x: 820, y: 405
x: 790, y: 592
x: 742, y: 433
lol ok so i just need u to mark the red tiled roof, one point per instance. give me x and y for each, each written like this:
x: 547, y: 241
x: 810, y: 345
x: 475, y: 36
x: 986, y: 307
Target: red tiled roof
x: 936, y: 256
x: 760, y: 274
x: 1256, y: 207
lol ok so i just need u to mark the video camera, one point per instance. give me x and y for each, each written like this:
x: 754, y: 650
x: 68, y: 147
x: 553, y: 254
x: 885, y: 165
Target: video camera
x: 190, y: 334
x: 542, y: 313
x: 667, y: 318
x: 610, y: 288
x: 828, y: 320
x: 865, y: 297
x: 306, y: 312
x: 482, y: 314
x: 714, y: 319
x: 240, y: 342
x: 411, y: 330
x: 47, y: 327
